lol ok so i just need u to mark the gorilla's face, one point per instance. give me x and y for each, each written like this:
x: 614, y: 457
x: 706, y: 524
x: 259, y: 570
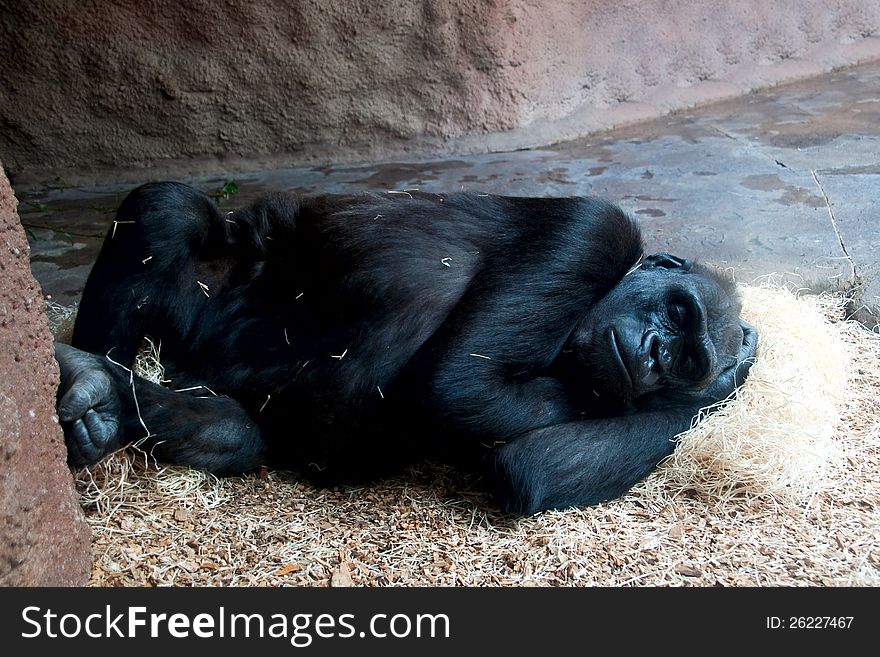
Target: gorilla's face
x: 666, y: 325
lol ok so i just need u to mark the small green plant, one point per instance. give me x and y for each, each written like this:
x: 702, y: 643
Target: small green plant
x: 34, y: 206
x: 222, y: 193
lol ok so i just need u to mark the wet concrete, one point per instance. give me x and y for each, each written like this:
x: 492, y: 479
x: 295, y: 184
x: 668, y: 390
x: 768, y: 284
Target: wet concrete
x: 784, y: 184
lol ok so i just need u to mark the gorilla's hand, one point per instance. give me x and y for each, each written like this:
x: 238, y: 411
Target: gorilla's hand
x: 734, y: 376
x: 89, y: 408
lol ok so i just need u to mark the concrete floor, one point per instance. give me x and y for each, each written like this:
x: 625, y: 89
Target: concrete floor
x: 784, y: 184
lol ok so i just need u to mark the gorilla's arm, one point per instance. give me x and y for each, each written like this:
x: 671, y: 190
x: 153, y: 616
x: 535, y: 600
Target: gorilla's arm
x: 489, y: 360
x: 582, y: 463
x: 588, y: 461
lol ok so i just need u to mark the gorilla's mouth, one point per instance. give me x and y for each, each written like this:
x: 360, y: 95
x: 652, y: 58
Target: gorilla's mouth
x: 615, y: 349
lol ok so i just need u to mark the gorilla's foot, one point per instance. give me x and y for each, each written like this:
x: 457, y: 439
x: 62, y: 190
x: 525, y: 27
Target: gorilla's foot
x: 89, y: 407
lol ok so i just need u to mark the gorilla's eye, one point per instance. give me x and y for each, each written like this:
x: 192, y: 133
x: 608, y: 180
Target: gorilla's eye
x: 684, y: 314
x: 678, y: 315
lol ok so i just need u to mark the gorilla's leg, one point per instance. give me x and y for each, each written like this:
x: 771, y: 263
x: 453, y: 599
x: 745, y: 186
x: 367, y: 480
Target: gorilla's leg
x: 103, y: 407
x: 145, y: 279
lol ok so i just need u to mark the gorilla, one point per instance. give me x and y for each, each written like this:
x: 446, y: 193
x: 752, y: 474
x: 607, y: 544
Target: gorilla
x: 528, y: 340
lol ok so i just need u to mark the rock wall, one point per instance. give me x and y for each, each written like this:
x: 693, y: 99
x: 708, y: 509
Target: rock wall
x: 200, y: 84
x: 44, y: 540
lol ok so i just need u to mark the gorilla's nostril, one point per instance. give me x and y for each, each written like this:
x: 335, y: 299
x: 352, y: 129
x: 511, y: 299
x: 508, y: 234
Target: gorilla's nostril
x: 649, y: 357
x: 653, y: 351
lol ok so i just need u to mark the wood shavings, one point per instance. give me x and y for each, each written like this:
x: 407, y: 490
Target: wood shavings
x: 341, y: 577
x: 117, y: 223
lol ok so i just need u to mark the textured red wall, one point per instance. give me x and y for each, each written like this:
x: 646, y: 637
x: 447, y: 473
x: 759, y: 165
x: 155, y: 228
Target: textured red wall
x: 202, y: 84
x: 44, y: 541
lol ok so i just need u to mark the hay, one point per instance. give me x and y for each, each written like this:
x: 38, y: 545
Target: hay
x: 148, y: 364
x: 130, y: 480
x: 776, y: 438
x: 61, y: 319
x: 788, y: 497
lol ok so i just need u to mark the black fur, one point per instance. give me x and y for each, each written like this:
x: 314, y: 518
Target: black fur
x: 345, y: 336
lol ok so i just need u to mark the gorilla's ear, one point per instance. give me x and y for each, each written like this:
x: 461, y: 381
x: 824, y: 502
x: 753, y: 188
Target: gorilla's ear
x: 665, y: 261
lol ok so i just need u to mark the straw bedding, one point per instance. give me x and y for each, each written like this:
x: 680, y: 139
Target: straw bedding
x: 778, y: 487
